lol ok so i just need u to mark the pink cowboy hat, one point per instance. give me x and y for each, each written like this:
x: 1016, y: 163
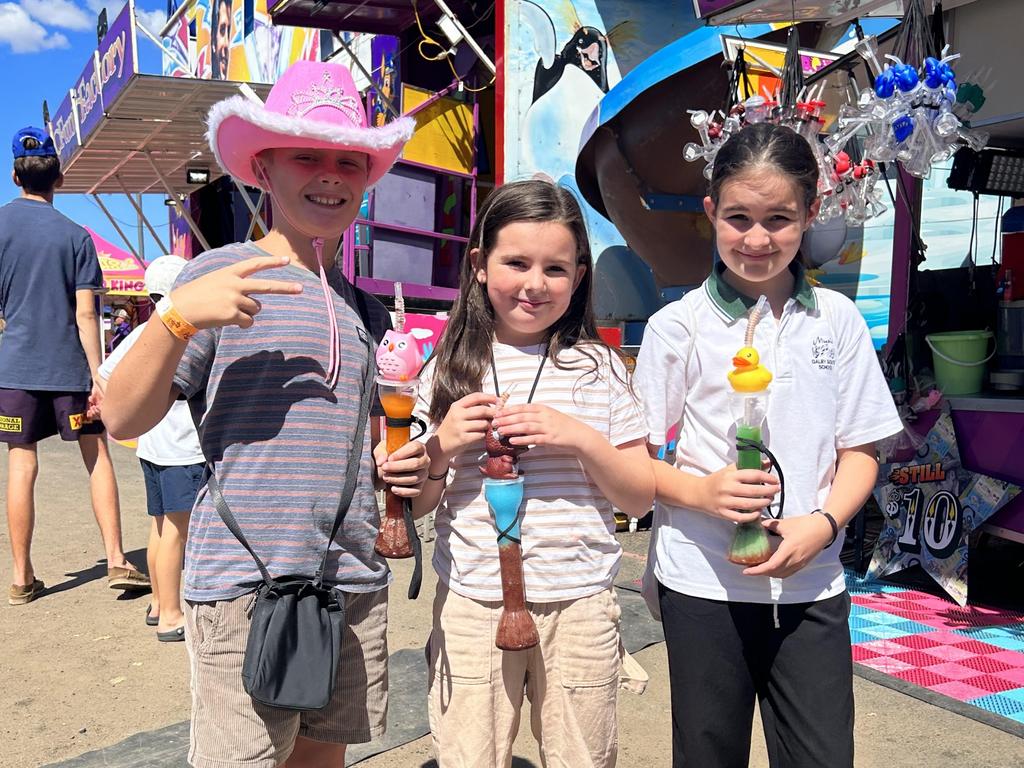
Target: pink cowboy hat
x: 315, y: 105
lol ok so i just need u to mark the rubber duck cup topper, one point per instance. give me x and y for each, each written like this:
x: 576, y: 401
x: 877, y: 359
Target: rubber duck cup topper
x: 749, y: 401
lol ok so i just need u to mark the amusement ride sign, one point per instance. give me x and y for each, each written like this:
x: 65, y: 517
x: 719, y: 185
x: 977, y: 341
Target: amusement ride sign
x: 108, y: 71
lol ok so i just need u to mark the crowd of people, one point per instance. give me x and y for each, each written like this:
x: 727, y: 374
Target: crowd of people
x: 256, y: 491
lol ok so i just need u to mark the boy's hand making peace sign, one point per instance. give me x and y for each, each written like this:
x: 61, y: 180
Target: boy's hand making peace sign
x: 224, y: 297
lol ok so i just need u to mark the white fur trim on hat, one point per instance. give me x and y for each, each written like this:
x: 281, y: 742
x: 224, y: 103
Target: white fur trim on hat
x: 267, y: 128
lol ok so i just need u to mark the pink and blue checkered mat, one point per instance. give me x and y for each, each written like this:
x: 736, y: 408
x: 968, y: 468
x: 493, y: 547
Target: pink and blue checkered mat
x: 974, y: 655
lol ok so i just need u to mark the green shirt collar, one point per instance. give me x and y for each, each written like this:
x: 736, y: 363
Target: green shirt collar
x: 735, y: 304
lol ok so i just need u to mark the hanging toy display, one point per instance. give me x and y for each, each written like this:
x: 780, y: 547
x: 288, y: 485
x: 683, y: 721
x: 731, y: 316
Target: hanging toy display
x: 911, y: 115
x: 908, y: 113
x: 503, y: 489
x: 749, y: 404
x: 398, y: 365
x: 844, y: 191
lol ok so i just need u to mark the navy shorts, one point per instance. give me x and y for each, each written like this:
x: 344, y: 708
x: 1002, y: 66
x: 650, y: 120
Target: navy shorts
x: 171, y: 489
x: 28, y: 416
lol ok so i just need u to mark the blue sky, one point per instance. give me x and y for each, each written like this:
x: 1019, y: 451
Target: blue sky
x: 44, y: 45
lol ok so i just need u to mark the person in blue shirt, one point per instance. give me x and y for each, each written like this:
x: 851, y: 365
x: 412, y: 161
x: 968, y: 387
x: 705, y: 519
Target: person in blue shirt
x: 49, y: 359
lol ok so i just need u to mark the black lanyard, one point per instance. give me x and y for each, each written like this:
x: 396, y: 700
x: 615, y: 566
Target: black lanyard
x: 536, y: 379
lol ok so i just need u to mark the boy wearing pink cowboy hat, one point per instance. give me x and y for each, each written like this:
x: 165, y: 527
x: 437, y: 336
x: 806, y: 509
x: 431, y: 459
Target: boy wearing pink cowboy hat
x: 274, y: 386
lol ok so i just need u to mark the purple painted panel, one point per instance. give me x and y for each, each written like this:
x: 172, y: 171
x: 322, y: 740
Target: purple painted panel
x: 387, y: 288
x: 990, y: 442
x: 387, y: 78
x: 118, y: 59
x: 87, y: 98
x: 407, y: 197
x: 63, y: 129
x: 401, y: 256
x: 109, y: 69
x: 704, y: 8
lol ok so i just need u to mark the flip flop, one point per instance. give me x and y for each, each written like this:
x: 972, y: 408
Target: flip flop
x: 172, y: 635
x: 151, y: 620
x: 127, y: 579
x: 20, y: 595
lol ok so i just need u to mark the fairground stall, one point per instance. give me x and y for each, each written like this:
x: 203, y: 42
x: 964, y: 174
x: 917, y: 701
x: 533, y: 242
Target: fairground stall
x: 916, y: 119
x: 625, y: 103
x: 123, y: 131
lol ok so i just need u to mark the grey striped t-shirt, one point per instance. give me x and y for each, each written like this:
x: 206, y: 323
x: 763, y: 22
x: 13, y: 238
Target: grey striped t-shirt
x: 279, y: 438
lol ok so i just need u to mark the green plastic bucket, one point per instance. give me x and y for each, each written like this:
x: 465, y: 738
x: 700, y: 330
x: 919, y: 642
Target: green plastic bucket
x: 959, y: 359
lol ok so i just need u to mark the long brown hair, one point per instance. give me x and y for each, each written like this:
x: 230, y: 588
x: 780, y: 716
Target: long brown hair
x: 463, y: 352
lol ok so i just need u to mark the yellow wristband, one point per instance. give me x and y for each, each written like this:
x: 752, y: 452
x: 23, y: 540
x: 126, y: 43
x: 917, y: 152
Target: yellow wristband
x: 171, y: 317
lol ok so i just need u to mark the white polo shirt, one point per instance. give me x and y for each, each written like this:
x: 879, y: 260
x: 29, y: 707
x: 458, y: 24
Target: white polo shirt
x: 828, y: 392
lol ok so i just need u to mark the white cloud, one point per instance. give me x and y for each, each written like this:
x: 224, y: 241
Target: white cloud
x: 113, y: 7
x: 152, y: 20
x: 59, y: 13
x: 23, y: 35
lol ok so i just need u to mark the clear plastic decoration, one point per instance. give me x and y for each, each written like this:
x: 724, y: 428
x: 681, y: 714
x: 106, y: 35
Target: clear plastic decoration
x: 910, y: 115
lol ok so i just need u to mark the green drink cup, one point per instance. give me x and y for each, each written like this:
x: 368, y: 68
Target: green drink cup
x: 750, y: 544
x: 750, y: 541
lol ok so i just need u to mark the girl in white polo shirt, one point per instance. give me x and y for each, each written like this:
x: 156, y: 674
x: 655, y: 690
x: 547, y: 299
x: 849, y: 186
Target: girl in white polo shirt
x: 523, y: 322
x: 776, y: 631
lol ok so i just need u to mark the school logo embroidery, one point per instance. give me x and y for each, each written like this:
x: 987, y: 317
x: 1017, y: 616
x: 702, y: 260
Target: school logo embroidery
x: 823, y: 353
x: 75, y: 420
x: 10, y: 423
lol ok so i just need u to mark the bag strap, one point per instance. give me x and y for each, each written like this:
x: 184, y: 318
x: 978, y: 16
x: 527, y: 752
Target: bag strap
x: 229, y: 520
x: 355, y: 454
x: 348, y: 489
x: 362, y: 309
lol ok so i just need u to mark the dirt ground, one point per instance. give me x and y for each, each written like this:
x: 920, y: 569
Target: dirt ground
x: 80, y: 670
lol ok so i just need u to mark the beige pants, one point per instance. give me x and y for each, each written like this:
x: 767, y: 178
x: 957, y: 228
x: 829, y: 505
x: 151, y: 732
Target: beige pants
x: 230, y: 729
x: 571, y: 680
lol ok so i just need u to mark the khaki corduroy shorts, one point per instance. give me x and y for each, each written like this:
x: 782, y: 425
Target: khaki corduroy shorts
x: 230, y: 729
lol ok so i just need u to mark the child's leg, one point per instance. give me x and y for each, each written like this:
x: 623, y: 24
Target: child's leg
x: 807, y: 703
x: 476, y: 690
x: 152, y: 551
x: 168, y: 568
x: 155, y: 509
x: 573, y: 686
x: 178, y: 489
x: 22, y: 470
x: 711, y: 684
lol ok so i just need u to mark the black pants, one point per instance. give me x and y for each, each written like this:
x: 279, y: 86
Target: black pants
x: 721, y: 655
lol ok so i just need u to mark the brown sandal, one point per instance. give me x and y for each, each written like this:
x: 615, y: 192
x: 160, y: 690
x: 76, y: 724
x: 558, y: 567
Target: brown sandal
x: 128, y: 579
x: 19, y: 594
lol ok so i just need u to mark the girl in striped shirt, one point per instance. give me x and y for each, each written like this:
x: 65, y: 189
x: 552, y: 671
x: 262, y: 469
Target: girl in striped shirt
x: 524, y: 324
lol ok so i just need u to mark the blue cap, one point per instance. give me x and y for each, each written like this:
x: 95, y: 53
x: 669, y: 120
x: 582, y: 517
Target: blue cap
x: 45, y: 148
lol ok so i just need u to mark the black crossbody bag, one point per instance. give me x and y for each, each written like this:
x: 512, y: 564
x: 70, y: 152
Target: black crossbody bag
x: 292, y: 653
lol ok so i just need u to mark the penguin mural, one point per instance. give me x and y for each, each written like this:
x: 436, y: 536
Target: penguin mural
x: 569, y: 81
x: 587, y: 49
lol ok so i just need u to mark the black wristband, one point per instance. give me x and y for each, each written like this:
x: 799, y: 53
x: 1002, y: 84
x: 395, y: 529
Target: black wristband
x: 442, y: 476
x: 832, y: 522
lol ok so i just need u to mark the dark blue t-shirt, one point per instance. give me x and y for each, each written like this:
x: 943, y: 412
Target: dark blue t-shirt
x: 44, y: 258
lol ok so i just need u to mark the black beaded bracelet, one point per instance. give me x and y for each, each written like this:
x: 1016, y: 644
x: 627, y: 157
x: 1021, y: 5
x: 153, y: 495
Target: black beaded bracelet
x: 832, y: 522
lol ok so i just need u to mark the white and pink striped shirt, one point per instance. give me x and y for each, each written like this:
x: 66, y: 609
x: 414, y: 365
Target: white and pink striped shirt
x: 568, y: 542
